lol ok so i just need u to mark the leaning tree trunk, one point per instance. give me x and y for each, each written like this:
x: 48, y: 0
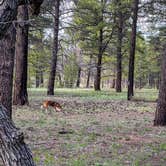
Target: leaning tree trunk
x: 130, y: 93
x: 51, y: 82
x: 13, y: 150
x: 160, y: 115
x: 7, y: 52
x: 8, y: 12
x: 99, y: 63
x: 119, y: 51
x: 20, y: 96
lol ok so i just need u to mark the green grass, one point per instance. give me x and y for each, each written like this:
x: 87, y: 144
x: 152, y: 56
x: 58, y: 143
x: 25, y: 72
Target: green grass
x: 90, y: 94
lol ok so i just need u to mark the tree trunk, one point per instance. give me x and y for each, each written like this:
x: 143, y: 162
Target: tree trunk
x: 78, y: 77
x: 8, y: 12
x: 7, y: 52
x: 160, y: 114
x: 88, y: 78
x: 41, y: 79
x: 119, y: 50
x: 13, y: 150
x: 89, y: 72
x: 20, y: 96
x: 140, y: 83
x: 132, y: 51
x: 99, y: 63
x: 51, y: 81
x: 113, y: 83
x: 37, y: 79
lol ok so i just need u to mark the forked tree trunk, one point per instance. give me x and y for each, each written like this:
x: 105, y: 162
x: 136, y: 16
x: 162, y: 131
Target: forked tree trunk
x: 130, y: 93
x: 119, y: 50
x: 20, y: 96
x: 160, y: 114
x: 51, y: 82
x: 13, y: 150
x: 7, y: 52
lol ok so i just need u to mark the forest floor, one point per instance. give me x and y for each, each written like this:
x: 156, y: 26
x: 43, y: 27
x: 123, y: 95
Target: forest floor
x: 98, y: 129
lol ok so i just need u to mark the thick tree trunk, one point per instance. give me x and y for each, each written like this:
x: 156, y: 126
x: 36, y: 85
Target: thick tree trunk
x: 13, y: 150
x: 7, y: 52
x: 20, y: 96
x: 160, y: 115
x: 51, y: 81
x: 132, y: 51
x: 99, y: 63
x: 78, y: 77
x: 8, y: 12
x: 119, y: 50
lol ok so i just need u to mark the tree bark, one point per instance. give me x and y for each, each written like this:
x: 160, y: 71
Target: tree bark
x: 132, y: 51
x: 99, y: 63
x: 13, y: 150
x: 160, y: 114
x: 119, y: 50
x: 20, y: 96
x: 7, y: 52
x: 8, y: 12
x: 51, y: 82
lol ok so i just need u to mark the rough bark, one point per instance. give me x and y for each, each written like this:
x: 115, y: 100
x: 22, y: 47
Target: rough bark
x: 20, y: 96
x: 78, y: 77
x: 7, y: 52
x: 160, y: 114
x: 13, y: 150
x: 130, y: 93
x: 8, y: 12
x: 119, y: 50
x: 51, y: 82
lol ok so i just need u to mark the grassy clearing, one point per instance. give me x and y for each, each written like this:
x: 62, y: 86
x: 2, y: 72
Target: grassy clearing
x: 90, y: 94
x: 100, y: 129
